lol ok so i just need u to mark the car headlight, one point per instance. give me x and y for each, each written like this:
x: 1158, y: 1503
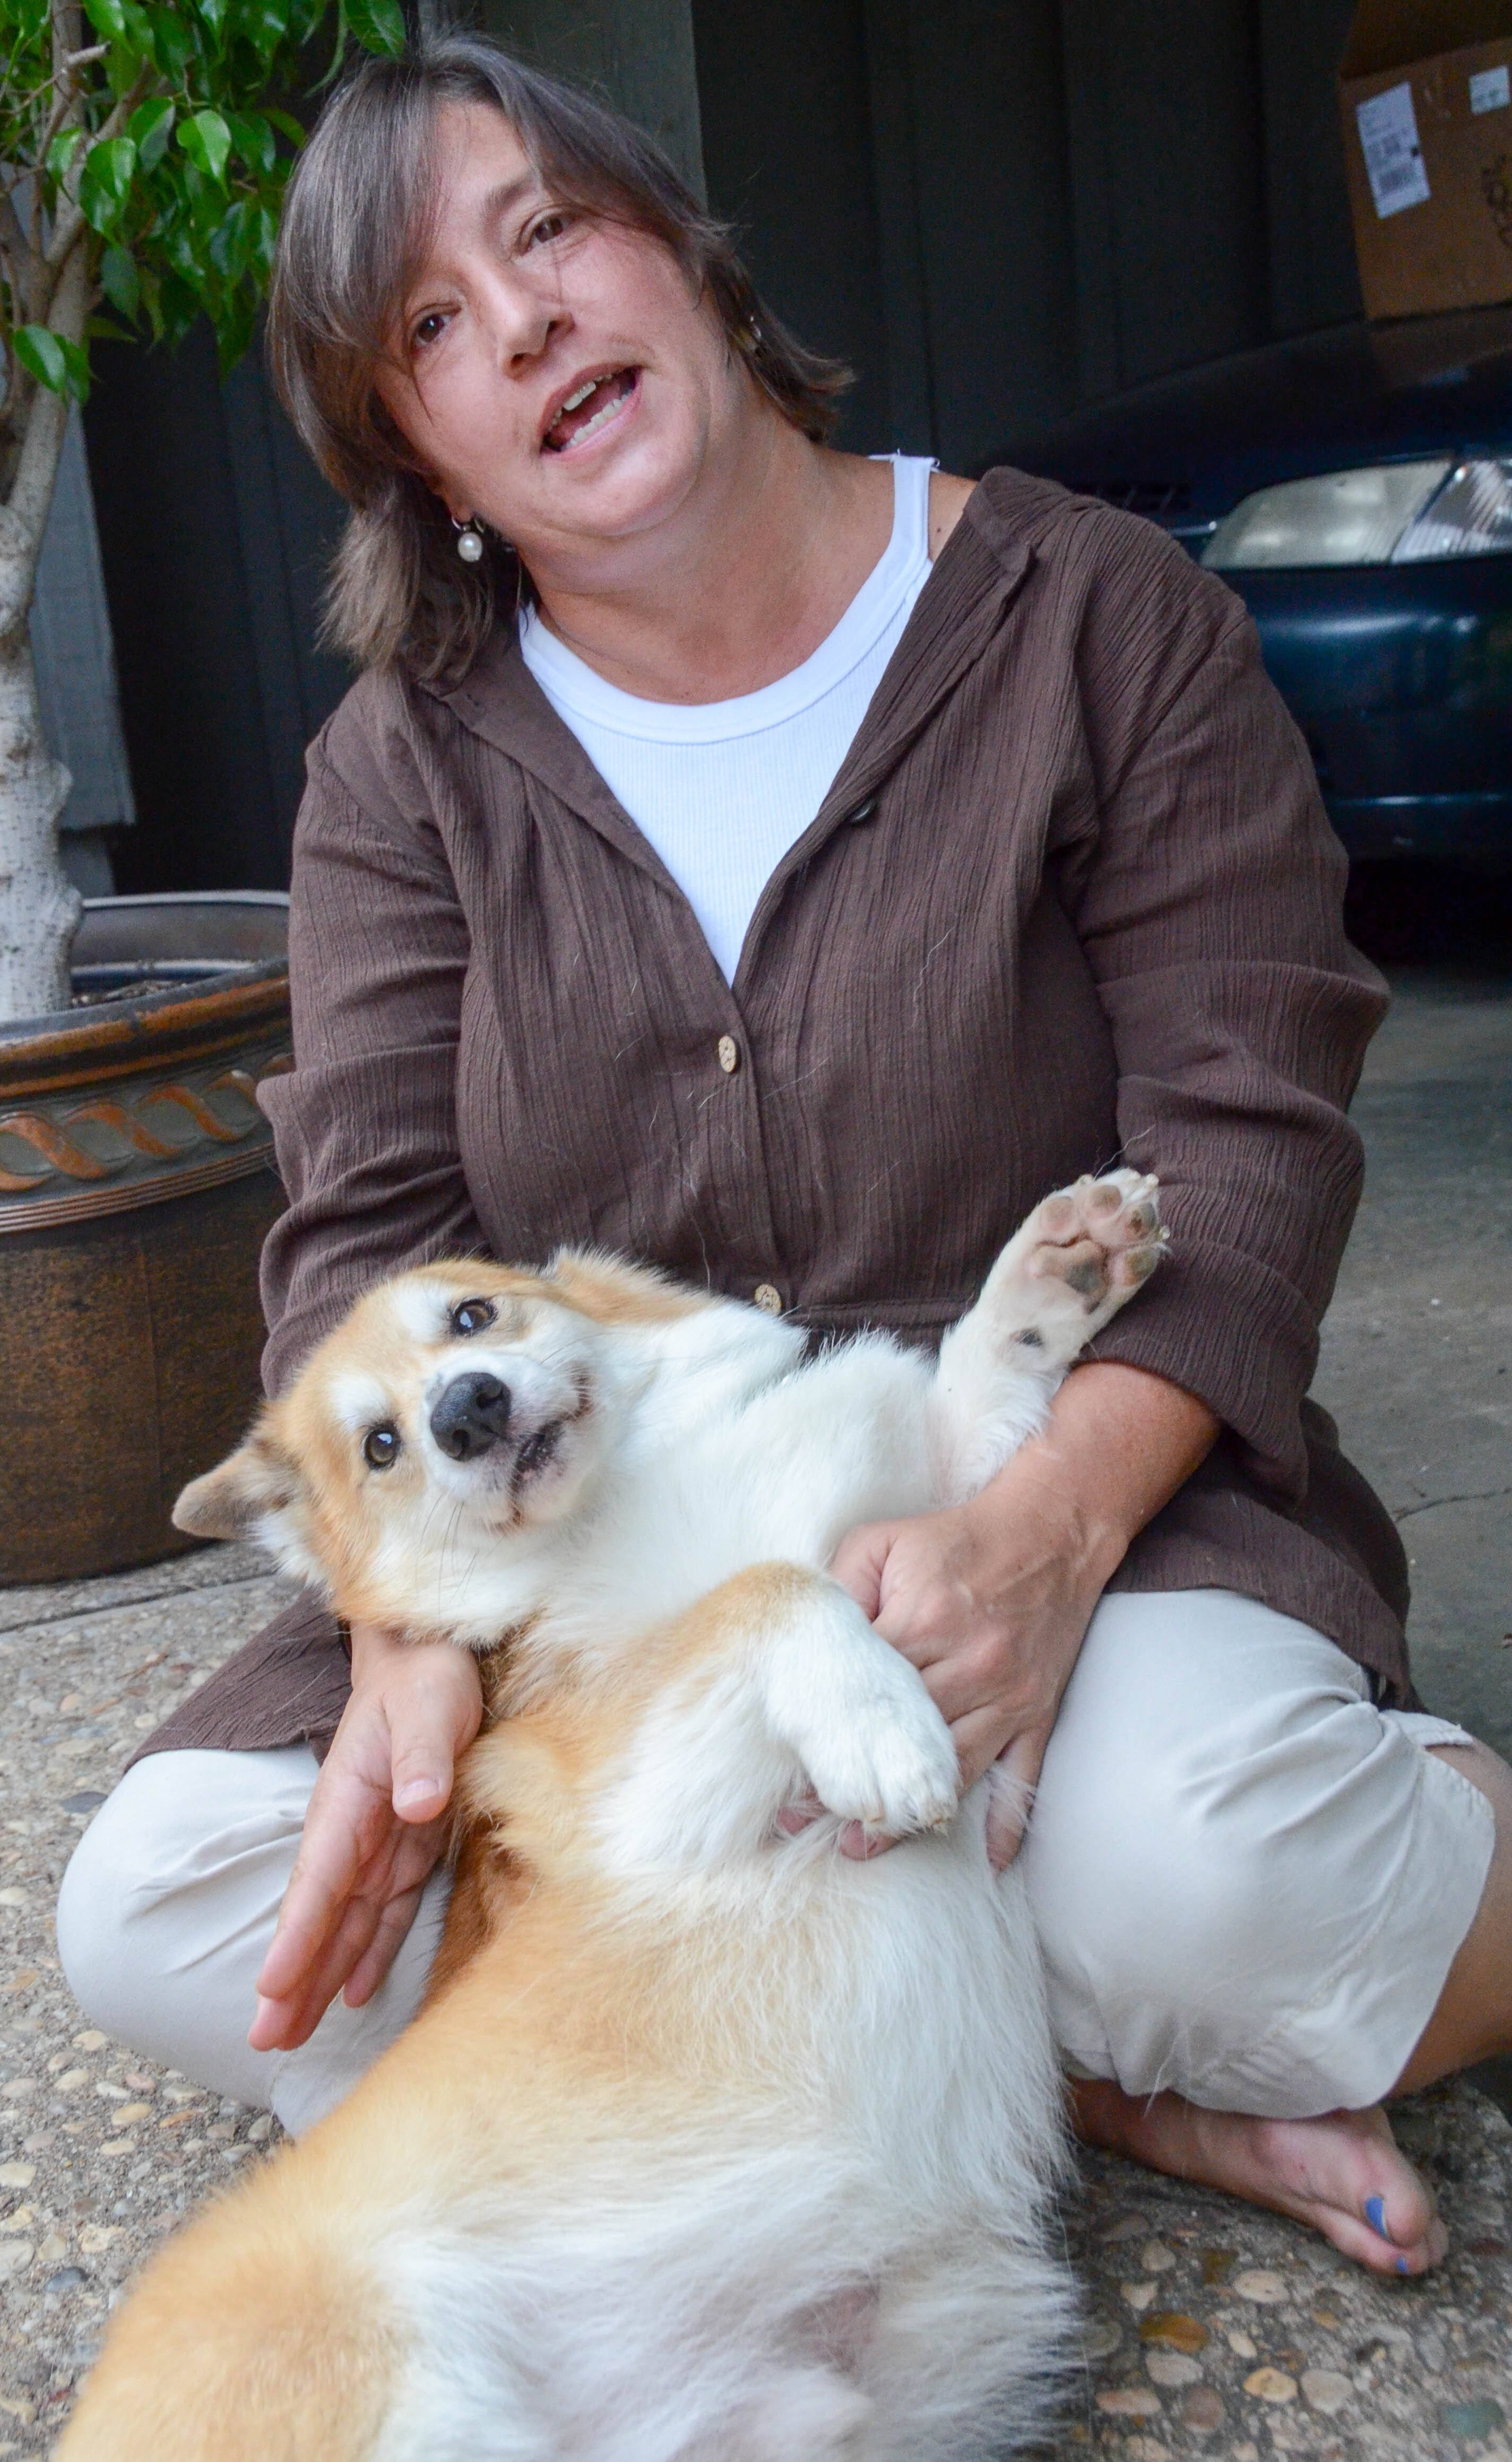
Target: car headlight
x: 1401, y: 512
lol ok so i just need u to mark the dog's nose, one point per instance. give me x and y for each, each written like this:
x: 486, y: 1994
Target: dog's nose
x: 471, y: 1414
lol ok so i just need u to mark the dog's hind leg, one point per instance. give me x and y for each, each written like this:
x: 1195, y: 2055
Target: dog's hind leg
x: 1071, y: 1266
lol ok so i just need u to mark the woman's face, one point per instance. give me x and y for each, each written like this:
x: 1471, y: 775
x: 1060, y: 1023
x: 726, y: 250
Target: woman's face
x: 553, y: 372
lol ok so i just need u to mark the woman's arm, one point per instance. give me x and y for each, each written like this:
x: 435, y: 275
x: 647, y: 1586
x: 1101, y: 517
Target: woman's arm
x: 1206, y: 890
x: 991, y: 1600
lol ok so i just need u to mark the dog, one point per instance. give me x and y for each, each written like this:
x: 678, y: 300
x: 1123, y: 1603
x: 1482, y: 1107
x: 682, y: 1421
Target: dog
x: 710, y: 2144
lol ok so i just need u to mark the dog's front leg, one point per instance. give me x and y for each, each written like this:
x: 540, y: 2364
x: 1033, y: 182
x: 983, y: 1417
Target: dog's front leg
x: 1082, y: 1254
x: 784, y: 1690
x: 857, y: 1715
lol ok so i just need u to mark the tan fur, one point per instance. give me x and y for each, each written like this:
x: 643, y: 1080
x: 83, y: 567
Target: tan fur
x: 613, y: 1292
x: 258, y: 2335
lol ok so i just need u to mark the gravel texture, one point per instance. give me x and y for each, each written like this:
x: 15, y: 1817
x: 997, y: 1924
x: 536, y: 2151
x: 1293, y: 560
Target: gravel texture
x: 1211, y: 2329
x: 1214, y: 2329
x: 100, y: 2152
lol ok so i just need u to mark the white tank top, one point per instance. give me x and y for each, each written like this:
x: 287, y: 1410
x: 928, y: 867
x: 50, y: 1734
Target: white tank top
x: 723, y: 790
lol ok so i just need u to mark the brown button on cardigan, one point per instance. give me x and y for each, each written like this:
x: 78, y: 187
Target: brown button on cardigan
x: 1071, y: 896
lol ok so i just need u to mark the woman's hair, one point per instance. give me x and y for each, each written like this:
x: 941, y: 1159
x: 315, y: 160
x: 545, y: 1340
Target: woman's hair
x: 356, y: 230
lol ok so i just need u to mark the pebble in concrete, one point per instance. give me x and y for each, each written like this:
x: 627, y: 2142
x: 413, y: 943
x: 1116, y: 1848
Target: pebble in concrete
x: 1259, y: 2341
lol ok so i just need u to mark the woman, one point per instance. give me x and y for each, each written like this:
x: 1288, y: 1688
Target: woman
x: 787, y: 866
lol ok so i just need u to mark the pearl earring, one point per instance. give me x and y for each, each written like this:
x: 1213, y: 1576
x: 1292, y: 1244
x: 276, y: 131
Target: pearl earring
x: 469, y: 540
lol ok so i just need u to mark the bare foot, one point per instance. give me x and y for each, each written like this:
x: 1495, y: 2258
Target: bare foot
x: 1343, y: 2173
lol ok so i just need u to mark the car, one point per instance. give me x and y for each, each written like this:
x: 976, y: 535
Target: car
x: 1355, y: 486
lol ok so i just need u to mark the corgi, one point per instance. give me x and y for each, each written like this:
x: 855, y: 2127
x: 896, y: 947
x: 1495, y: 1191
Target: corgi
x: 711, y: 2143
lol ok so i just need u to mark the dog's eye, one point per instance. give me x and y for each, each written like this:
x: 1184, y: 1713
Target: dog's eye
x: 470, y: 1316
x: 381, y: 1447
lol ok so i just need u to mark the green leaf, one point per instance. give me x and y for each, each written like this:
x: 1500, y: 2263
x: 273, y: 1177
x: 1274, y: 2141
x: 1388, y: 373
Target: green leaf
x: 177, y: 305
x: 253, y: 140
x: 206, y: 141
x: 149, y: 128
x: 172, y: 41
x: 265, y: 25
x: 62, y: 367
x: 106, y: 181
x: 183, y: 255
x: 289, y: 126
x: 41, y: 354
x: 120, y: 281
x: 61, y: 152
x: 235, y: 324
x: 379, y: 25
x: 229, y: 244
x: 151, y: 302
x: 108, y: 18
x: 76, y: 360
x: 207, y: 212
x: 104, y: 329
x: 265, y: 240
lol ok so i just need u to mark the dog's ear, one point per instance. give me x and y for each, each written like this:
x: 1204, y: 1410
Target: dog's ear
x: 232, y: 1501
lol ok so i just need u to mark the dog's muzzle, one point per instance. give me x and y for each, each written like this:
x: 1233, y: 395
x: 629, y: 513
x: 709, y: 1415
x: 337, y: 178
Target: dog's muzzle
x: 471, y: 1414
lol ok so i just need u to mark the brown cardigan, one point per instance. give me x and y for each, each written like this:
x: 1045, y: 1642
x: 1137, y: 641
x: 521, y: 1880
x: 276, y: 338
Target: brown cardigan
x: 1071, y: 895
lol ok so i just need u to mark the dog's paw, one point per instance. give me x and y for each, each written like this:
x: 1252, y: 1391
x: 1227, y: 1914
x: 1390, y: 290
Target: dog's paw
x: 1099, y: 1237
x: 890, y: 1765
x: 1082, y: 1253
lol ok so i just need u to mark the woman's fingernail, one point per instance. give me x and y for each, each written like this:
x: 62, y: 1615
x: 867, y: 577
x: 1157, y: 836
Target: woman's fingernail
x: 1402, y: 2266
x: 1375, y: 2215
x: 418, y: 1790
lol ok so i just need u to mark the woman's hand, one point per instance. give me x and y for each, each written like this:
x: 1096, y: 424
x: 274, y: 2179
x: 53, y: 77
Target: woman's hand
x: 991, y: 1600
x: 374, y: 1832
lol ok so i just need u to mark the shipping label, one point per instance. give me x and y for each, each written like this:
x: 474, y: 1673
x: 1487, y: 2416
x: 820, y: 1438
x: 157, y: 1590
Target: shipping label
x: 1394, y: 159
x: 1491, y: 89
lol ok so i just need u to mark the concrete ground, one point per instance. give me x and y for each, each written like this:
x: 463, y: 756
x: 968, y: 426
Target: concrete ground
x: 1211, y: 2329
x: 1416, y: 1362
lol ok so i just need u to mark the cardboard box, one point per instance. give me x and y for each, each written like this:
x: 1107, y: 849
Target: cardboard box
x: 1425, y: 88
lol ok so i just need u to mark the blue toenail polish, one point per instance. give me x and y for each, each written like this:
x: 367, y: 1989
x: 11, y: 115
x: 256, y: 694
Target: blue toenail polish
x: 1401, y: 2265
x: 1376, y: 2215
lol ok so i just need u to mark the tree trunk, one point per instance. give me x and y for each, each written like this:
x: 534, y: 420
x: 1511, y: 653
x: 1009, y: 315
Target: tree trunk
x: 39, y: 907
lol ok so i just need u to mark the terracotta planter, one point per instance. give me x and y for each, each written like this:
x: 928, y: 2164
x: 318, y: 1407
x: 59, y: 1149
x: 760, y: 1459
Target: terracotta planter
x: 135, y: 1186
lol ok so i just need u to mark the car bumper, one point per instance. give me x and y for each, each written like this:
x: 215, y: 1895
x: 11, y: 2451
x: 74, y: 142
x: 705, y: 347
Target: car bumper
x: 1400, y: 678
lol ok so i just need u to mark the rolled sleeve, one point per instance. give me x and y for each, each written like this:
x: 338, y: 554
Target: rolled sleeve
x: 1210, y: 907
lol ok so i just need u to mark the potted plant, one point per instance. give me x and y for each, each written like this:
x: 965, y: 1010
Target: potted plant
x: 143, y: 151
